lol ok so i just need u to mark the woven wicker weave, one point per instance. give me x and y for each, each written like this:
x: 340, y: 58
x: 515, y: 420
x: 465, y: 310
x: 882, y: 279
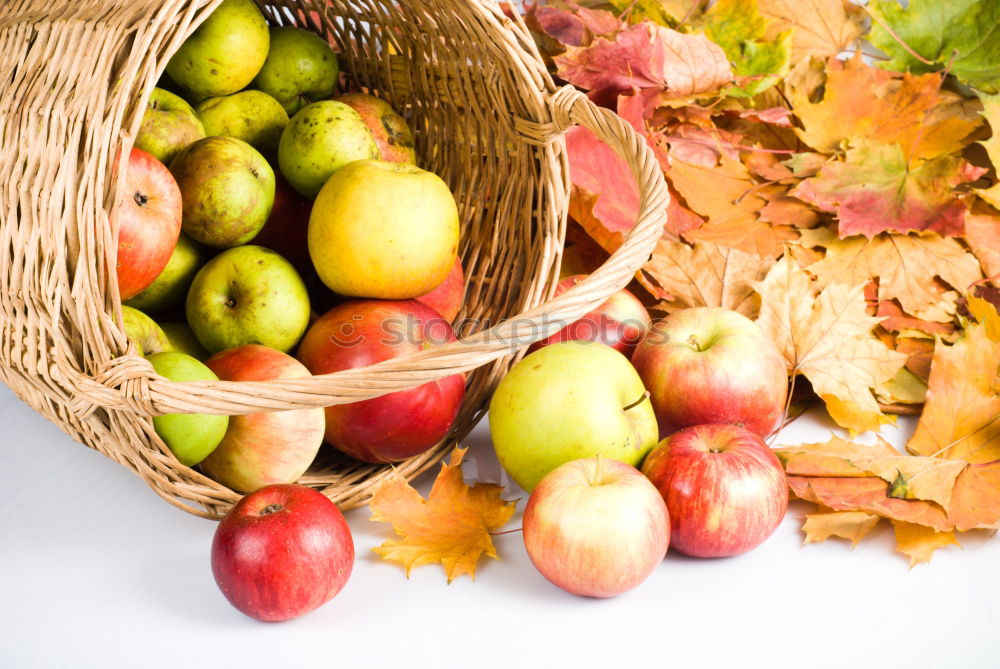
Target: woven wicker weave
x: 76, y: 76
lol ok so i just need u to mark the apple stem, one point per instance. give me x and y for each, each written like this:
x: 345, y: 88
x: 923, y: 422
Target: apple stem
x: 497, y: 534
x: 694, y: 342
x: 639, y: 401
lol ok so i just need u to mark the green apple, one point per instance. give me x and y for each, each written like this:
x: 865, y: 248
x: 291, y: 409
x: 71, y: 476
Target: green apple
x: 227, y: 190
x: 190, y: 437
x: 224, y: 53
x: 144, y: 331
x: 248, y: 295
x: 571, y: 400
x: 168, y: 125
x: 171, y: 285
x: 384, y: 230
x: 252, y: 116
x: 300, y: 68
x: 319, y: 140
x: 182, y: 340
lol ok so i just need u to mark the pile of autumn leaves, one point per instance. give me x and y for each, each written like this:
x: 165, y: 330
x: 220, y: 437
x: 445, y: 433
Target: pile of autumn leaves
x: 851, y: 209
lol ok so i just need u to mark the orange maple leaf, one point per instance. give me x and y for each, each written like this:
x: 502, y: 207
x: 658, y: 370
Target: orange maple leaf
x: 452, y: 526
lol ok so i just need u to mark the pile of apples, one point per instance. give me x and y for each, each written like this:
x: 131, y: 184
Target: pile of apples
x: 267, y: 213
x: 688, y: 399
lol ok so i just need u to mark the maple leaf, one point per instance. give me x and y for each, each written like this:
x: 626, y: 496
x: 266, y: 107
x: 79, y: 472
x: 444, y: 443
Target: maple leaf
x: 740, y: 29
x: 895, y: 319
x: 905, y: 266
x: 982, y: 234
x: 569, y: 24
x: 960, y: 35
x: 918, y: 542
x: 664, y: 12
x: 991, y: 112
x: 876, y: 190
x: 726, y: 195
x: 919, y: 354
x: 661, y: 64
x: 452, y: 526
x: 907, y: 110
x: 706, y: 275
x: 961, y: 419
x: 823, y: 28
x: 851, y: 525
x: 827, y: 337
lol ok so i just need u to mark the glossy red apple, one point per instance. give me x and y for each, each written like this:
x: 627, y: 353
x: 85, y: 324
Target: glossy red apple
x: 263, y: 448
x: 286, y: 230
x: 399, y: 425
x: 282, y: 552
x: 710, y: 365
x: 725, y: 489
x: 447, y: 298
x: 621, y: 321
x: 148, y: 216
x: 596, y: 527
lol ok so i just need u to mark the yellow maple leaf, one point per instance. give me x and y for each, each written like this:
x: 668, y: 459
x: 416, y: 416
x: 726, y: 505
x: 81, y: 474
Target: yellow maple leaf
x: 905, y: 266
x: 706, y: 275
x: 827, y: 337
x: 851, y: 525
x: 991, y: 112
x: 822, y: 27
x: 982, y: 234
x: 452, y: 526
x: 961, y: 419
x: 919, y: 542
x: 909, y: 110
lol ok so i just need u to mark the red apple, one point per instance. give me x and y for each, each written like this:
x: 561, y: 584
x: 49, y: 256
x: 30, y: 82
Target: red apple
x: 282, y: 552
x: 621, y: 321
x: 287, y: 226
x: 399, y: 425
x: 391, y: 132
x: 263, y: 448
x: 447, y: 298
x: 596, y: 527
x: 710, y: 365
x: 725, y: 489
x: 148, y: 217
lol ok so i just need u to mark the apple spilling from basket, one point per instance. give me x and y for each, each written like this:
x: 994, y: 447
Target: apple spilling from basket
x: 260, y: 189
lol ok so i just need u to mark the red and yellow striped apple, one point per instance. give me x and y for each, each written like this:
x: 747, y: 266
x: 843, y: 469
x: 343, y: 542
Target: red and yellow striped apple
x: 710, y: 365
x: 263, y: 448
x: 596, y: 527
x: 725, y: 489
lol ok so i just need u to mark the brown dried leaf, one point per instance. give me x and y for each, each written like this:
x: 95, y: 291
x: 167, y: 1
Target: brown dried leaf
x: 851, y: 525
x: 828, y: 338
x: 706, y: 275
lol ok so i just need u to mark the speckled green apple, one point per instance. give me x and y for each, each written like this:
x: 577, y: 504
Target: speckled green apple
x: 319, y: 140
x: 248, y: 295
x: 168, y: 125
x: 384, y: 230
x: 190, y: 437
x: 182, y: 340
x: 171, y: 285
x: 224, y: 53
x: 144, y: 331
x: 570, y: 400
x: 227, y: 188
x: 252, y: 116
x: 300, y: 68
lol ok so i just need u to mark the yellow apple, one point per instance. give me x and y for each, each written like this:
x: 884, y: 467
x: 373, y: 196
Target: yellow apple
x: 383, y: 230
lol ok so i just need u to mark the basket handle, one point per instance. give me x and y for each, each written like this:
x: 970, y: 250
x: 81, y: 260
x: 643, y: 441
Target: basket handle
x: 147, y: 393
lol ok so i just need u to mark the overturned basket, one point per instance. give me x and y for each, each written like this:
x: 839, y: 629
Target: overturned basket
x: 488, y: 119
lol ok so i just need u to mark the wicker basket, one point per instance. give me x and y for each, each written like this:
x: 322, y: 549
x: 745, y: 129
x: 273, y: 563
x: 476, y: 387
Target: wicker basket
x: 77, y: 74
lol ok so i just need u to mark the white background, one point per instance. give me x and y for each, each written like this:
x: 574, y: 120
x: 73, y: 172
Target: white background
x: 97, y: 571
